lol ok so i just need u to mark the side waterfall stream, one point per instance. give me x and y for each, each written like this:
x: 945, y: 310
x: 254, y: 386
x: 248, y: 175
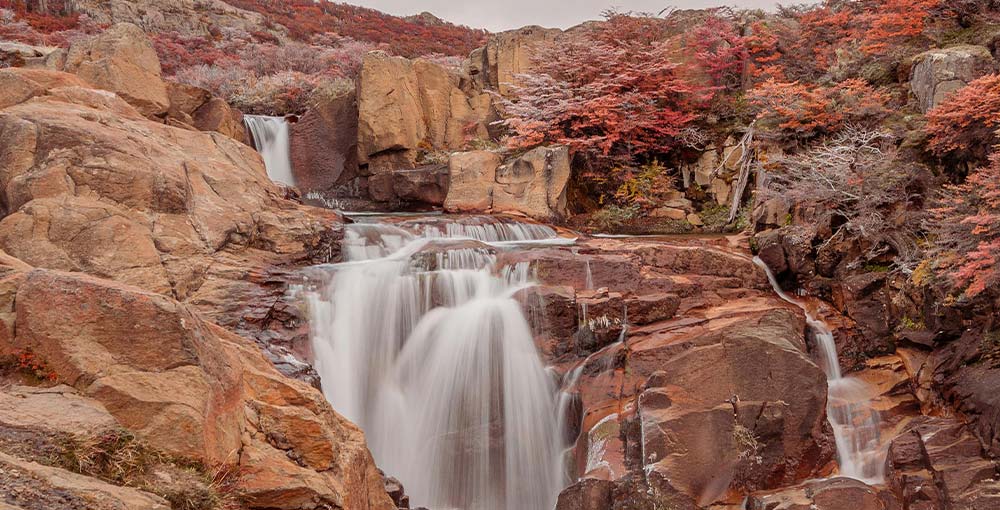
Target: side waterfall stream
x: 855, y: 422
x: 419, y: 340
x: 271, y: 138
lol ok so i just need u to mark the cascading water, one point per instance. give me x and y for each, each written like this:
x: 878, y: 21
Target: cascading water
x: 419, y: 340
x: 270, y: 137
x: 856, y: 424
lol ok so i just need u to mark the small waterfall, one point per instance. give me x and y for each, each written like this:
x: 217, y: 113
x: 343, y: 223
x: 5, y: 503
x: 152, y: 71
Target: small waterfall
x: 420, y: 341
x: 856, y: 424
x: 270, y: 137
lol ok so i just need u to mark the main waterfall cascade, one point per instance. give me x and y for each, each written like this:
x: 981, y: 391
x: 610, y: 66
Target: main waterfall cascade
x: 419, y: 340
x: 856, y: 424
x: 271, y: 138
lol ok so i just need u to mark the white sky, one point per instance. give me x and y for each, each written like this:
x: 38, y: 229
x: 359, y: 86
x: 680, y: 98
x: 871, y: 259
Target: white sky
x: 497, y: 15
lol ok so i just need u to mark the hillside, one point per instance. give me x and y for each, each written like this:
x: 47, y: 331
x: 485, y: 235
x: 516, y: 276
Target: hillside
x: 288, y: 255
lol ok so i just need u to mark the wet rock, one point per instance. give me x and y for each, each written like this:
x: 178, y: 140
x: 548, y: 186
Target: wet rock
x: 587, y: 494
x: 426, y: 185
x: 831, y: 494
x: 937, y: 463
x: 324, y: 146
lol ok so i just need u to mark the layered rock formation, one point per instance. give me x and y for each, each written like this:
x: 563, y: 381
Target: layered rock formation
x: 408, y: 109
x: 83, y: 170
x: 189, y: 388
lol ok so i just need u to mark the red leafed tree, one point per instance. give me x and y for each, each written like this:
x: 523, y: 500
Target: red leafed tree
x: 965, y: 124
x: 967, y: 228
x: 613, y: 93
x: 795, y: 112
x: 721, y: 51
x: 894, y: 22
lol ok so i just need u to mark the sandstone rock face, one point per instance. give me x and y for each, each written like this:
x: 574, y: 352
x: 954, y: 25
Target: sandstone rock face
x: 534, y: 184
x: 506, y: 55
x: 90, y: 185
x: 938, y: 73
x: 191, y: 389
x: 324, y: 146
x: 186, y: 16
x: 122, y: 60
x: 681, y: 408
x: 406, y: 107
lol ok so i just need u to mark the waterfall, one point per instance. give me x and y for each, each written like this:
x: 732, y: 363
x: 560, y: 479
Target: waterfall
x: 270, y: 137
x: 856, y: 424
x: 419, y: 340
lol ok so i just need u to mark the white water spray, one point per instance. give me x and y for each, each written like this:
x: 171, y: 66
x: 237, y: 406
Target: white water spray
x: 423, y: 345
x: 270, y: 136
x: 856, y: 424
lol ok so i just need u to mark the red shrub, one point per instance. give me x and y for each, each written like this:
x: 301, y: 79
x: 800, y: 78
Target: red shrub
x: 967, y: 121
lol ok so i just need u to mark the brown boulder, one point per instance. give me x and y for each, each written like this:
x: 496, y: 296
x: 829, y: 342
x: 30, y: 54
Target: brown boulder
x: 426, y: 185
x: 122, y: 60
x: 534, y: 184
x: 217, y: 115
x: 192, y: 389
x: 324, y: 146
x: 470, y: 183
x: 938, y: 73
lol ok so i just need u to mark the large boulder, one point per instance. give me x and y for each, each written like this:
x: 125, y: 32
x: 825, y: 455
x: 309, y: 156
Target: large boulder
x: 408, y: 109
x: 534, y: 184
x: 121, y: 60
x: 188, y: 214
x: 190, y: 389
x: 324, y: 146
x: 938, y: 73
x: 830, y: 494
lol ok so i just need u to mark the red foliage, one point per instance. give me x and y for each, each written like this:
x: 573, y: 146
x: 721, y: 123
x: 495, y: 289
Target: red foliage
x: 895, y: 22
x: 967, y: 120
x: 797, y: 112
x: 613, y: 93
x: 30, y: 364
x: 306, y: 18
x: 968, y: 228
x: 720, y: 51
x: 57, y: 16
x: 178, y: 51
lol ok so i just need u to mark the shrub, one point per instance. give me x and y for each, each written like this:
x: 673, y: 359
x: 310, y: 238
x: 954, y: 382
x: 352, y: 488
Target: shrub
x: 612, y: 217
x: 966, y: 229
x: 966, y: 123
x: 795, y: 112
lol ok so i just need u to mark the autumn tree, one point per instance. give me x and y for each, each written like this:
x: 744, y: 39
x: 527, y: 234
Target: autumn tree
x: 795, y: 112
x: 614, y: 94
x: 965, y: 124
x: 966, y: 230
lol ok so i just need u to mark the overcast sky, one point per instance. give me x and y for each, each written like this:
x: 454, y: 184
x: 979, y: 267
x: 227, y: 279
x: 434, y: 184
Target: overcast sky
x: 497, y: 15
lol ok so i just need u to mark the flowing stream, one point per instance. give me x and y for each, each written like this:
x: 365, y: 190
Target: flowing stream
x: 419, y: 340
x: 270, y: 137
x: 856, y: 424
